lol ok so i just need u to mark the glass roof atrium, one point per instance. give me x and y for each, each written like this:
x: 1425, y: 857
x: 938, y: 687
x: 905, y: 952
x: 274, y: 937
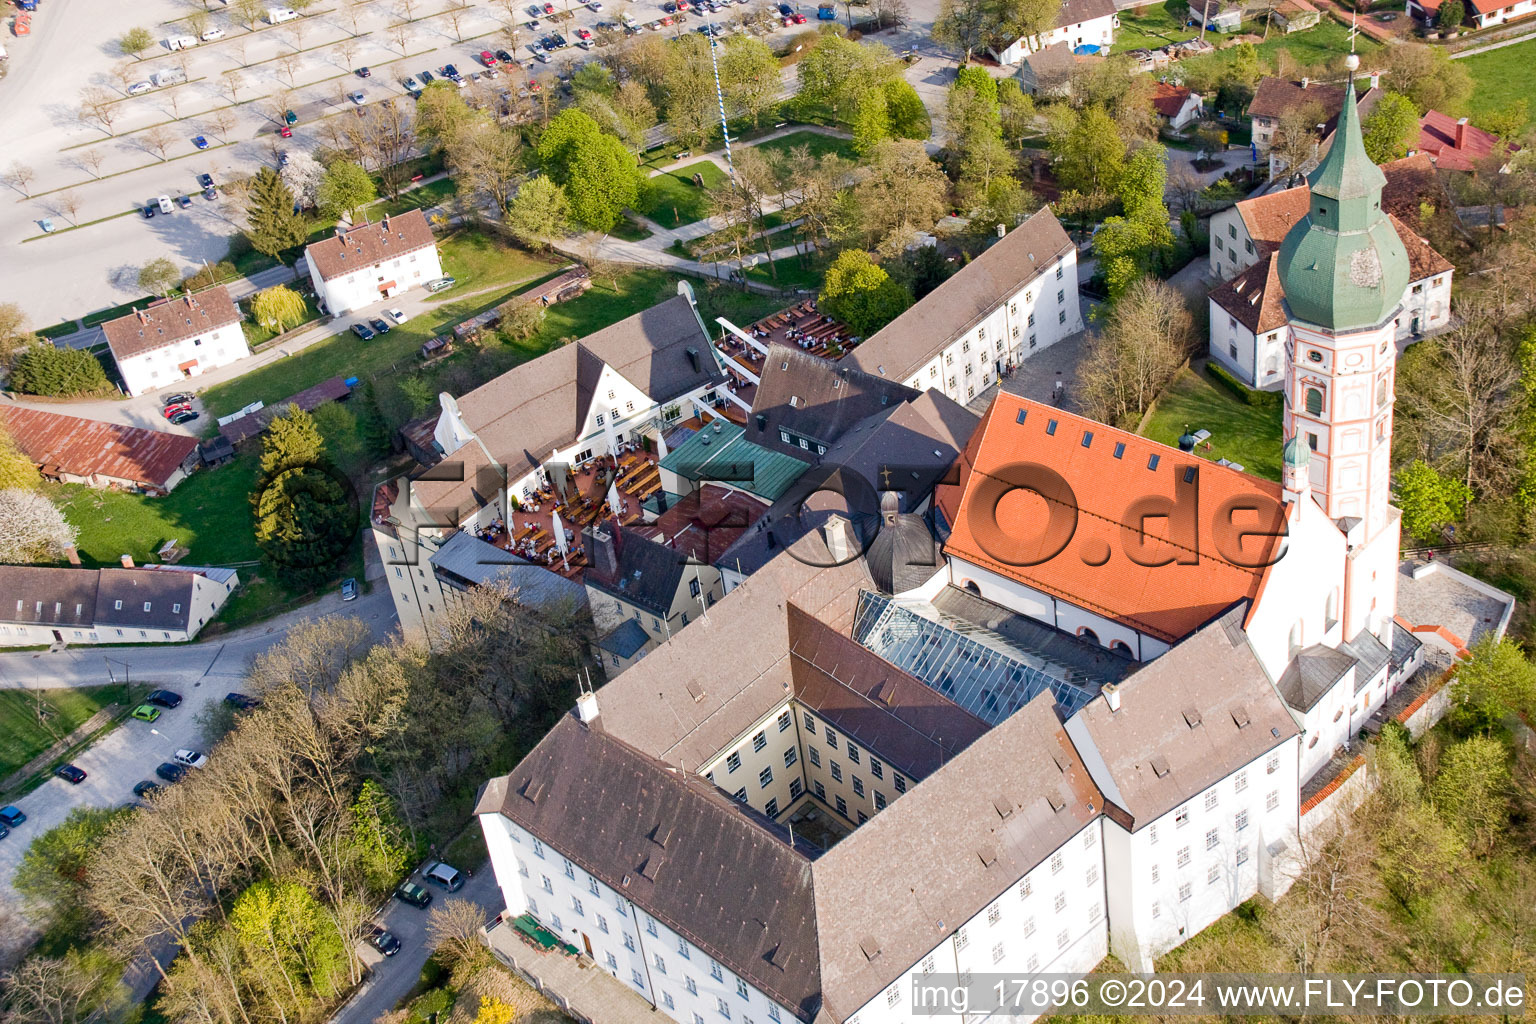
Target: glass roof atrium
x: 980, y: 670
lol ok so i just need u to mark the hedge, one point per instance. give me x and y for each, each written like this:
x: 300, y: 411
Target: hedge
x: 1246, y: 395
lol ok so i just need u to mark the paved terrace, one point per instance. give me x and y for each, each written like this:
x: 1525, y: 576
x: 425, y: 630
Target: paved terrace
x: 800, y: 325
x: 1433, y: 594
x: 575, y: 984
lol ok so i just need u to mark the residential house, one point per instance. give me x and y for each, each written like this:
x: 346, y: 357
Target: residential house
x: 1047, y: 72
x: 74, y: 450
x: 1015, y: 299
x: 1177, y: 106
x: 1080, y: 23
x: 367, y: 263
x: 633, y: 577
x: 1294, y: 16
x: 1455, y: 145
x: 1480, y: 13
x: 153, y: 604
x: 172, y: 340
x: 1275, y: 96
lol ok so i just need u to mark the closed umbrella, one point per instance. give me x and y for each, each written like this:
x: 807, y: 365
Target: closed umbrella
x: 613, y: 497
x: 559, y: 535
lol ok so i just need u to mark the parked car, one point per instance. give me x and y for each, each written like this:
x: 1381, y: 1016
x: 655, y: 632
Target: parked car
x: 173, y: 410
x: 504, y: 57
x: 445, y: 876
x: 212, y: 34
x: 190, y: 758
x: 143, y: 789
x: 163, y: 698
x: 286, y: 131
x: 397, y: 315
x: 541, y: 57
x: 383, y: 941
x: 186, y: 416
x: 139, y: 88
x: 356, y: 96
x: 426, y: 77
x: 200, y: 141
x: 349, y: 589
x: 210, y: 193
x: 149, y: 211
x: 798, y: 19
x: 415, y: 895
x: 786, y: 10
x: 488, y: 58
x: 363, y: 331
x: 146, y: 713
x: 164, y: 202
x: 438, y: 284
x: 184, y: 201
x: 411, y: 85
x: 364, y: 73
x: 70, y: 774
x: 451, y: 72
x: 289, y: 117
x: 534, y: 10
x: 241, y: 701
x: 549, y: 10
x: 171, y: 772
x: 582, y: 33
x: 11, y: 816
x: 177, y: 398
x: 379, y: 324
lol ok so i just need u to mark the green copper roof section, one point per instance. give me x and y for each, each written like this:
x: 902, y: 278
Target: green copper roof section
x: 721, y: 452
x: 1343, y: 266
x: 1295, y: 454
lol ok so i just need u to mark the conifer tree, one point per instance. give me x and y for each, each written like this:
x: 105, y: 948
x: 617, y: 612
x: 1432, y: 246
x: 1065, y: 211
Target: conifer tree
x: 272, y: 223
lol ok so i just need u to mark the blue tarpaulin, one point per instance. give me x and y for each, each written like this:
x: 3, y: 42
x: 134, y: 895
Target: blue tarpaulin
x: 1086, y: 49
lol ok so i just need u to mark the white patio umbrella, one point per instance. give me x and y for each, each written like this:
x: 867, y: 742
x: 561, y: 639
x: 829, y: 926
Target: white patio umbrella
x: 559, y: 534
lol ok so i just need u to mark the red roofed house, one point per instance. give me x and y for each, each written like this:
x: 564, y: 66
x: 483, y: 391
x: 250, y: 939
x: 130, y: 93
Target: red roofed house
x: 80, y: 451
x: 1453, y: 144
x: 1081, y: 23
x: 1482, y: 13
x: 367, y: 263
x: 173, y: 339
x: 1176, y: 105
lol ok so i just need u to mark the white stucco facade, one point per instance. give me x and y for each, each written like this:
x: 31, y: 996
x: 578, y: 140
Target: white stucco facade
x: 1098, y: 31
x: 183, y: 360
x: 370, y: 284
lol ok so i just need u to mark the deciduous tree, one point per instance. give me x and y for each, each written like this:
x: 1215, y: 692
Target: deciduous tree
x: 1497, y: 681
x: 17, y: 471
x: 1146, y: 339
x: 160, y: 277
x: 861, y: 294
x: 1428, y: 500
x: 594, y: 169
x: 135, y: 41
x: 32, y: 529
x: 538, y: 213
x: 904, y: 193
x: 1390, y: 128
x: 344, y: 190
x: 278, y: 308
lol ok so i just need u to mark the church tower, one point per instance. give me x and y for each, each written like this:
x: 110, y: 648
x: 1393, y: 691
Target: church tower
x: 1344, y: 271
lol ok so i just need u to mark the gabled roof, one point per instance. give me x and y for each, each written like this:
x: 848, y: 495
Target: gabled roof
x: 627, y: 640
x: 649, y: 573
x: 905, y: 345
x: 682, y: 850
x: 721, y: 451
x: 1109, y: 472
x: 150, y: 599
x: 168, y: 321
x: 1274, y: 96
x: 1075, y: 12
x: 816, y: 399
x: 365, y: 245
x: 1454, y: 144
x: 1254, y: 297
x: 1168, y: 99
x: 1186, y: 720
x: 1311, y: 674
x: 46, y: 596
x: 73, y: 446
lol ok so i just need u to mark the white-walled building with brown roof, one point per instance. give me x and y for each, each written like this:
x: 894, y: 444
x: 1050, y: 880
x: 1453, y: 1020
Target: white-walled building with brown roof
x: 368, y: 263
x: 1080, y: 23
x: 172, y: 340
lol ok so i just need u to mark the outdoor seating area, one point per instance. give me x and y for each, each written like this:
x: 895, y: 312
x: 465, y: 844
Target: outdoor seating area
x: 580, y: 499
x: 803, y: 325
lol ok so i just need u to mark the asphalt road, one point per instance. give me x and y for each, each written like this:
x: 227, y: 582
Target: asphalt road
x: 392, y: 977
x: 201, y: 672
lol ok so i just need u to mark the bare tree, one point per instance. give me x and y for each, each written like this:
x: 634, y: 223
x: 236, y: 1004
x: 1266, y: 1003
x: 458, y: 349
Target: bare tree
x: 223, y: 120
x: 453, y: 929
x: 231, y: 86
x: 406, y: 9
x: 125, y: 74
x: 248, y: 11
x: 239, y: 47
x: 59, y: 990
x: 20, y: 177
x: 96, y: 105
x: 400, y: 33
x: 288, y: 66
x: 297, y: 31
x: 346, y: 53
x: 157, y: 140
x: 388, y: 138
x: 198, y: 22
x: 90, y: 158
x: 1146, y: 340
x: 455, y: 11
x: 69, y: 205
x: 1296, y: 137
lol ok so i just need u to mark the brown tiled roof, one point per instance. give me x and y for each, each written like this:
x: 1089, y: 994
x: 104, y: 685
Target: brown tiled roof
x: 680, y: 848
x: 1168, y: 99
x: 1423, y: 260
x: 927, y: 328
x: 1074, y: 12
x: 815, y: 398
x: 1437, y: 138
x: 532, y: 409
x: 363, y: 246
x: 1186, y: 720
x: 170, y: 320
x: 1274, y: 96
x: 79, y: 447
x: 1254, y: 296
x: 1095, y: 569
x: 1005, y: 804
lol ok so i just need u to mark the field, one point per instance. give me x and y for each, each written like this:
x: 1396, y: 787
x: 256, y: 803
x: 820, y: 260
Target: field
x: 1501, y: 78
x: 1149, y: 28
x: 487, y: 273
x: 791, y: 273
x: 1153, y: 26
x: 818, y: 144
x: 209, y: 513
x: 672, y: 199
x: 1246, y: 434
x: 31, y: 721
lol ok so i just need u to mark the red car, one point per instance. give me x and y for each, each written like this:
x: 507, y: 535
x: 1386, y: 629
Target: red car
x: 549, y: 10
x: 582, y: 33
x: 173, y: 410
x: 286, y: 132
x: 799, y: 19
x: 488, y: 58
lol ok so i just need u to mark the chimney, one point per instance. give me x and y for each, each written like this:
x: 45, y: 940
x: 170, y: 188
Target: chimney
x: 1461, y: 132
x: 842, y: 545
x: 1111, y: 693
x: 602, y: 550
x: 1002, y: 229
x: 586, y: 708
x: 386, y: 223
x: 762, y: 422
x: 72, y: 554
x: 127, y: 561
x: 1375, y: 79
x: 143, y: 317
x: 693, y: 358
x: 1306, y: 82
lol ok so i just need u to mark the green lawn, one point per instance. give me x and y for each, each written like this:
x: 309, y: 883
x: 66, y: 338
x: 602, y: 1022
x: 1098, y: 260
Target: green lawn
x: 672, y: 199
x: 818, y: 144
x: 1502, y: 77
x: 1327, y: 42
x: 1245, y: 434
x: 642, y: 289
x: 479, y: 264
x: 1149, y: 28
x: 630, y: 231
x: 789, y: 272
x: 208, y: 513
x: 31, y: 721
x: 432, y: 193
x: 256, y: 334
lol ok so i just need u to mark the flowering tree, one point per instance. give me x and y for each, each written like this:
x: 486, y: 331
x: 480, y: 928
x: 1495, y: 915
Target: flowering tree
x: 32, y: 529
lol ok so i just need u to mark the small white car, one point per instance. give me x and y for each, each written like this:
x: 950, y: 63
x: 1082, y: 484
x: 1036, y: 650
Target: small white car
x: 164, y: 202
x: 191, y: 758
x: 139, y: 88
x: 397, y: 315
x: 356, y: 97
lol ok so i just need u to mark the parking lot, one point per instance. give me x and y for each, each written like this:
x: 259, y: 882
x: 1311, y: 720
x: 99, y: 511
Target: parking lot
x: 100, y: 146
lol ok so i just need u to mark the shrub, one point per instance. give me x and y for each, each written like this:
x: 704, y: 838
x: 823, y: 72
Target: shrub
x: 1247, y: 395
x: 57, y: 372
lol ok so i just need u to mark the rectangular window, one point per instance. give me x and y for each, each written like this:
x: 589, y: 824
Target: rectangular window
x: 837, y: 772
x: 732, y: 761
x: 602, y: 924
x: 723, y: 1007
x: 795, y: 789
x: 842, y: 807
x: 994, y: 914
x: 682, y: 948
x: 1273, y: 800
x: 810, y: 725
x: 1242, y: 855
x: 548, y: 886
x: 1063, y: 939
x: 1181, y: 817
x: 1185, y: 892
x: 1056, y: 863
x: 666, y: 1000
x: 1213, y: 875
x: 1060, y: 902
x: 759, y: 741
x: 821, y: 791
x: 1029, y: 927
x: 570, y: 870
x: 814, y: 755
x: 831, y: 739
x: 997, y: 953
x: 876, y: 768
x: 741, y: 989
x: 858, y: 786
x: 1240, y: 781
x: 613, y: 962
x: 790, y: 757
x: 714, y: 971
x: 1212, y: 839
x: 740, y: 795
x: 1210, y: 800
x: 771, y: 808
x: 1271, y: 766
x: 691, y: 985
x: 879, y: 800
x: 638, y: 979
x: 1240, y: 822
x: 961, y: 940
x: 783, y: 720
x: 900, y: 783
x: 659, y: 963
x: 629, y: 942
x: 765, y: 777
x: 576, y: 906
x: 853, y: 753
x: 1183, y: 858
x: 650, y: 925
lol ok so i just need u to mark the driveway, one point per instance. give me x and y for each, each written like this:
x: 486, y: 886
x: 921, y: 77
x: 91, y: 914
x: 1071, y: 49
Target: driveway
x: 392, y: 978
x: 201, y: 672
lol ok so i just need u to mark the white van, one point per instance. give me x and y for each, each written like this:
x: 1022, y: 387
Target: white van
x: 180, y: 42
x: 167, y: 76
x: 628, y: 20
x: 278, y: 15
x: 164, y: 202
x: 212, y: 34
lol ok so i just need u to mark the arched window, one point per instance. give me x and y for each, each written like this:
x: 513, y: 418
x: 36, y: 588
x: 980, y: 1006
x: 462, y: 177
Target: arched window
x: 1084, y: 633
x: 1314, y: 401
x: 1123, y: 649
x: 972, y: 587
